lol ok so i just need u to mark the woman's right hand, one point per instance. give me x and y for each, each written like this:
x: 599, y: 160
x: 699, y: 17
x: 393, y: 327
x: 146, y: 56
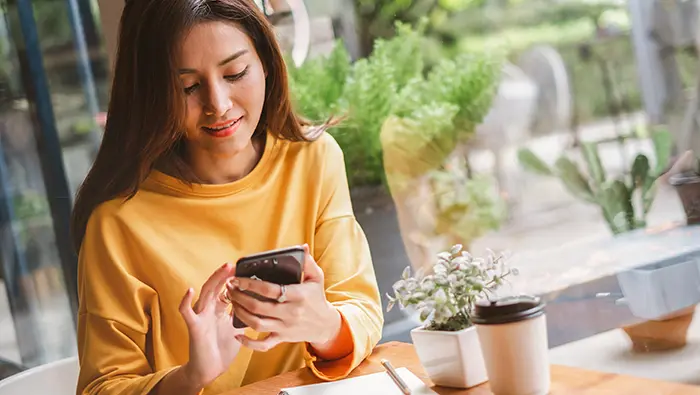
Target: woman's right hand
x: 213, y: 344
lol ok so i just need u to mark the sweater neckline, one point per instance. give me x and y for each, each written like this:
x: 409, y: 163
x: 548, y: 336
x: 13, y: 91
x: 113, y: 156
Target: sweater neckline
x: 217, y: 190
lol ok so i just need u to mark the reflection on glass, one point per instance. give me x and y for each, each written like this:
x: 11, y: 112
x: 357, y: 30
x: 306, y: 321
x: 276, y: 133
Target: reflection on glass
x: 537, y: 128
x: 79, y: 90
x: 35, y: 317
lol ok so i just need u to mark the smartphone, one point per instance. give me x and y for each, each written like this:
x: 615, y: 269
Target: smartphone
x: 283, y: 266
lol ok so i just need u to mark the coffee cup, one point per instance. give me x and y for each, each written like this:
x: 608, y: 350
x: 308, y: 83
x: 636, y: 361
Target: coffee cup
x: 513, y: 336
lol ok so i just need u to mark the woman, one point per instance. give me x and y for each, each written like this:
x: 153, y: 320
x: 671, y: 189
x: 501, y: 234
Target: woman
x: 202, y: 162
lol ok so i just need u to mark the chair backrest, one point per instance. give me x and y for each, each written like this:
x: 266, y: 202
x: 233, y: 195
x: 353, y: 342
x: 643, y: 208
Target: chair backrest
x: 55, y: 378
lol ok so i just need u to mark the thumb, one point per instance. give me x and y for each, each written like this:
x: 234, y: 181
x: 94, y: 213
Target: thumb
x: 312, y: 272
x: 186, y: 308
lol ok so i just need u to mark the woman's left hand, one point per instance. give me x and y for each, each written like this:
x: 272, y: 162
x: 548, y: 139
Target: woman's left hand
x: 305, y: 315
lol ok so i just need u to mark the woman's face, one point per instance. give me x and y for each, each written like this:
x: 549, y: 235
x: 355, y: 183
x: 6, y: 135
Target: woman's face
x: 224, y: 82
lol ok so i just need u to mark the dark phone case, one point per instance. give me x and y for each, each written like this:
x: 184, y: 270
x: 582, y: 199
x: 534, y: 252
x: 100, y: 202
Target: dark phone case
x: 283, y: 266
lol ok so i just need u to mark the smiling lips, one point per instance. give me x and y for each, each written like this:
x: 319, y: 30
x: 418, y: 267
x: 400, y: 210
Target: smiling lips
x: 223, y: 129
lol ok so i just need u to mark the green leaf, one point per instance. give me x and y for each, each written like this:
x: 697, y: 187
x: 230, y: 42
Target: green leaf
x: 595, y: 167
x: 573, y: 180
x: 640, y: 172
x: 663, y: 144
x: 406, y: 273
x: 532, y: 162
x: 649, y: 194
x: 615, y: 200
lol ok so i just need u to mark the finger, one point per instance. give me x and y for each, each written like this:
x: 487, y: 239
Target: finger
x: 252, y: 304
x: 212, y: 286
x: 186, y: 308
x: 223, y: 301
x: 260, y: 345
x: 271, y: 291
x: 262, y: 288
x: 217, y: 279
x: 256, y: 322
x: 312, y: 272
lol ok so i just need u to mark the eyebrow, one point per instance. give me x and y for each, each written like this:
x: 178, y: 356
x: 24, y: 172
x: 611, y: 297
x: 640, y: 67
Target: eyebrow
x: 222, y: 63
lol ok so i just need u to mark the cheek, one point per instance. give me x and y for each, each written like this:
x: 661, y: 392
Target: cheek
x: 253, y: 91
x: 194, y: 112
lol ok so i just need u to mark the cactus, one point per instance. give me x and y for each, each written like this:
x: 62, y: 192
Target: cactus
x: 624, y: 201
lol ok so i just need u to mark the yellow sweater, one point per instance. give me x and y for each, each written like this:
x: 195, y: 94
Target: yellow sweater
x: 138, y: 258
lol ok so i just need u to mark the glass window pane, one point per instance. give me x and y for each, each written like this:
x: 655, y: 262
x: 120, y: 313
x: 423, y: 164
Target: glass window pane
x: 35, y: 312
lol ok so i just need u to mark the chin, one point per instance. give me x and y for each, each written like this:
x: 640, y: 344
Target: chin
x: 229, y: 146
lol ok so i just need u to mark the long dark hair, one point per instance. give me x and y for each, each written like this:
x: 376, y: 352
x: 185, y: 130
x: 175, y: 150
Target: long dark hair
x: 144, y: 121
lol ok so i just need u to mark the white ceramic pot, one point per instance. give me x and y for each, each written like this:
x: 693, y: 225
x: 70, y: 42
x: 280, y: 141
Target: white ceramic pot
x: 451, y: 359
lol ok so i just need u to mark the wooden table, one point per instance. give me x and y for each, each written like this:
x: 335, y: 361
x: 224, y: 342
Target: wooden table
x: 565, y: 380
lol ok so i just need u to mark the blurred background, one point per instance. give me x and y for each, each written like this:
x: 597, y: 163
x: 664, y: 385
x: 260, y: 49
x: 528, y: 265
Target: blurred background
x: 546, y: 128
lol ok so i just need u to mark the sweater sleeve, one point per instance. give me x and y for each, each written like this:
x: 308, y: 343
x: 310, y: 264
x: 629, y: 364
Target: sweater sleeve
x: 113, y: 317
x: 342, y: 251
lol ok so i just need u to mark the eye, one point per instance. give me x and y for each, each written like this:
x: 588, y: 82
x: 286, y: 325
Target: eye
x: 190, y: 89
x: 236, y: 77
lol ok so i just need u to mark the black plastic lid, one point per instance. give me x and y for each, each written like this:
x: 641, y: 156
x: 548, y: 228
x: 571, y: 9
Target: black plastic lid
x: 686, y: 177
x: 507, y: 310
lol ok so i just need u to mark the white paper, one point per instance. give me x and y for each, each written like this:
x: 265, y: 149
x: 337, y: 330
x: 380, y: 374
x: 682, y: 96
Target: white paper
x: 371, y: 384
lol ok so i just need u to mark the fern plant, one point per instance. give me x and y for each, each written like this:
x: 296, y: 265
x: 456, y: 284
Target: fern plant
x: 364, y: 92
x: 439, y: 106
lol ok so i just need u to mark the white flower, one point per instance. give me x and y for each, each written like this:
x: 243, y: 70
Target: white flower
x: 427, y: 285
x: 440, y: 297
x: 490, y: 261
x: 441, y: 279
x: 399, y: 285
x: 459, y: 261
x: 439, y: 269
x: 452, y: 279
x: 411, y: 284
x: 458, y: 279
x: 445, y: 256
x: 479, y: 262
x: 418, y: 295
x: 406, y: 273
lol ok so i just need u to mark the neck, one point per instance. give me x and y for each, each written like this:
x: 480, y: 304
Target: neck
x: 210, y: 169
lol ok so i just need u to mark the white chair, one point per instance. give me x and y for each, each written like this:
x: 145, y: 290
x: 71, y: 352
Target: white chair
x: 55, y: 378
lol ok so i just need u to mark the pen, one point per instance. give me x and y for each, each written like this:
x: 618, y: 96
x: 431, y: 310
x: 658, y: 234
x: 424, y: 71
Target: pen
x: 395, y: 377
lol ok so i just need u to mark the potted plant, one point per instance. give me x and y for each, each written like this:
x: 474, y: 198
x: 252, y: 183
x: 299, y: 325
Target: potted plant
x: 684, y: 176
x: 447, y: 343
x: 624, y: 200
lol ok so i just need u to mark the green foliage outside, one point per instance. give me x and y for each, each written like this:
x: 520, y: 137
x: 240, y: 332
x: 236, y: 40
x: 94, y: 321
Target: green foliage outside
x: 445, y: 102
x: 624, y: 200
x: 404, y: 119
x: 512, y: 27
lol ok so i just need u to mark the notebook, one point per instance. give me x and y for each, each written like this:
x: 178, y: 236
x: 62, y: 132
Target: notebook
x: 371, y: 384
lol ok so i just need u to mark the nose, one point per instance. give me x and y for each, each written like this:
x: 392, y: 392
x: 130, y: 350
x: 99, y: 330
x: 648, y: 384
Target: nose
x: 218, y: 101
